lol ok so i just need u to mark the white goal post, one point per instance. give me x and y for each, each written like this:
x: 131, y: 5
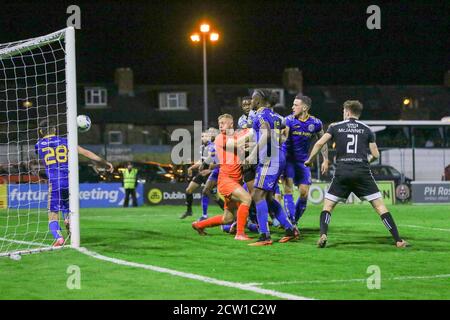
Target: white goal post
x: 37, y: 82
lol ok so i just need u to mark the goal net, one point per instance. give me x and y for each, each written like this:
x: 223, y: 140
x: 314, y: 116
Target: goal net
x: 37, y: 83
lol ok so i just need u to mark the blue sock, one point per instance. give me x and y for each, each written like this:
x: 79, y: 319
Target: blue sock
x: 252, y: 227
x: 262, y: 214
x: 55, y: 229
x: 226, y: 228
x: 205, y: 202
x: 300, y: 208
x: 281, y: 216
x: 289, y: 206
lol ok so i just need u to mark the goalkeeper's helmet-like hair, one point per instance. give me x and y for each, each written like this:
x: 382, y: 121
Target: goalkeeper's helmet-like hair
x: 262, y: 93
x: 46, y: 128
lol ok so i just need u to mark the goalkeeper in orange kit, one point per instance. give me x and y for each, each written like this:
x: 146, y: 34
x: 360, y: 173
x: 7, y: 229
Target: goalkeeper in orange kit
x: 229, y: 183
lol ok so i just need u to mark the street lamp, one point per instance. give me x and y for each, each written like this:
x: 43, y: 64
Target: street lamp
x: 213, y: 37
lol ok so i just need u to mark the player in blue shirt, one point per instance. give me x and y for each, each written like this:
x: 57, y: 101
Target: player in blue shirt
x: 246, y: 120
x: 210, y: 168
x: 270, y: 159
x: 301, y: 128
x: 53, y: 151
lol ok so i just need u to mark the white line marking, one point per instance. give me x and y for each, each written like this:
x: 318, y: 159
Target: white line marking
x: 129, y: 216
x: 24, y: 242
x: 403, y: 278
x: 406, y: 226
x: 422, y: 227
x: 230, y: 284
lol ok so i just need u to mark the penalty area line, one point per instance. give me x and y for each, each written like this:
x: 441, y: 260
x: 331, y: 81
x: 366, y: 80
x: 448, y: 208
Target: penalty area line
x: 236, y: 285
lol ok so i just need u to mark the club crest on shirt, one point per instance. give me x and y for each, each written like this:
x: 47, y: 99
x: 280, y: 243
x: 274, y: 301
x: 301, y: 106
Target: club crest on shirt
x: 311, y: 128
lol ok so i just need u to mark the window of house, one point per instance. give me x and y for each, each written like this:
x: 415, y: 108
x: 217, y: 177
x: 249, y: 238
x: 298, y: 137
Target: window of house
x: 115, y: 137
x: 172, y: 101
x: 95, y: 96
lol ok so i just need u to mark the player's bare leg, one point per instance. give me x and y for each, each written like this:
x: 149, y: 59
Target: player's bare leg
x: 189, y: 191
x: 325, y: 218
x: 388, y: 221
x: 250, y: 186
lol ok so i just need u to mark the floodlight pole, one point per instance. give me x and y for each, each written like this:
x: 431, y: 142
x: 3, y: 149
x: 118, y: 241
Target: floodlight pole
x: 205, y: 86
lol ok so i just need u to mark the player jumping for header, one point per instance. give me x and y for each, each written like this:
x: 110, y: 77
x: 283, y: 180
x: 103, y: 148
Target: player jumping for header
x: 53, y: 150
x: 353, y: 139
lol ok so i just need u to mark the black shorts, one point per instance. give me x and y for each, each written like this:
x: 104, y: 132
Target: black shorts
x: 249, y: 173
x: 199, y: 179
x: 359, y: 181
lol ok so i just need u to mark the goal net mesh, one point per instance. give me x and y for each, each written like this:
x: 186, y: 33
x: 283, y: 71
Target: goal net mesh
x: 32, y: 89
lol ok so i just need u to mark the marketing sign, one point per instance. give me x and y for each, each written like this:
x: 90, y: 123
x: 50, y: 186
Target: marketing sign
x: 317, y: 193
x: 174, y: 193
x: 430, y: 192
x: 169, y: 194
x: 92, y: 195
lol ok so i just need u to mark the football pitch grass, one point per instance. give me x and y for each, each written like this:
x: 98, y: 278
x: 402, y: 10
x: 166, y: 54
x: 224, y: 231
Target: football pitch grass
x: 151, y: 237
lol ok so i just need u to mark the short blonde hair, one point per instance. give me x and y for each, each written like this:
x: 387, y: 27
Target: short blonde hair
x: 225, y: 116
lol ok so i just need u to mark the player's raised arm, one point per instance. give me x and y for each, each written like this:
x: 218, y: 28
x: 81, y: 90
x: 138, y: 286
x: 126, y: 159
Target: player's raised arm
x: 90, y: 155
x: 317, y: 147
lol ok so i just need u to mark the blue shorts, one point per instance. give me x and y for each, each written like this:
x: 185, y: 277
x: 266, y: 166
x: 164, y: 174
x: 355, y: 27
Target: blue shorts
x: 214, y: 174
x: 298, y: 172
x: 267, y: 174
x: 58, y: 196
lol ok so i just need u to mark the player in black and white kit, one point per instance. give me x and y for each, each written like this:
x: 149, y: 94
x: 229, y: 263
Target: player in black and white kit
x: 353, y: 141
x: 201, y: 177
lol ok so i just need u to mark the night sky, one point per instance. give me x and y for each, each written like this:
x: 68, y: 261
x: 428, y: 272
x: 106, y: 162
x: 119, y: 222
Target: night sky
x: 328, y: 40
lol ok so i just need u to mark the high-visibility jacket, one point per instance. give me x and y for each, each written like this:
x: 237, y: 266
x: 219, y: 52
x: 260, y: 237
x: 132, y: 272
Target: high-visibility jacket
x: 129, y: 178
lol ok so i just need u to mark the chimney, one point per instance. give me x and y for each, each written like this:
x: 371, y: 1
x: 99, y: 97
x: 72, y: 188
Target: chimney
x: 293, y: 80
x: 123, y: 78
